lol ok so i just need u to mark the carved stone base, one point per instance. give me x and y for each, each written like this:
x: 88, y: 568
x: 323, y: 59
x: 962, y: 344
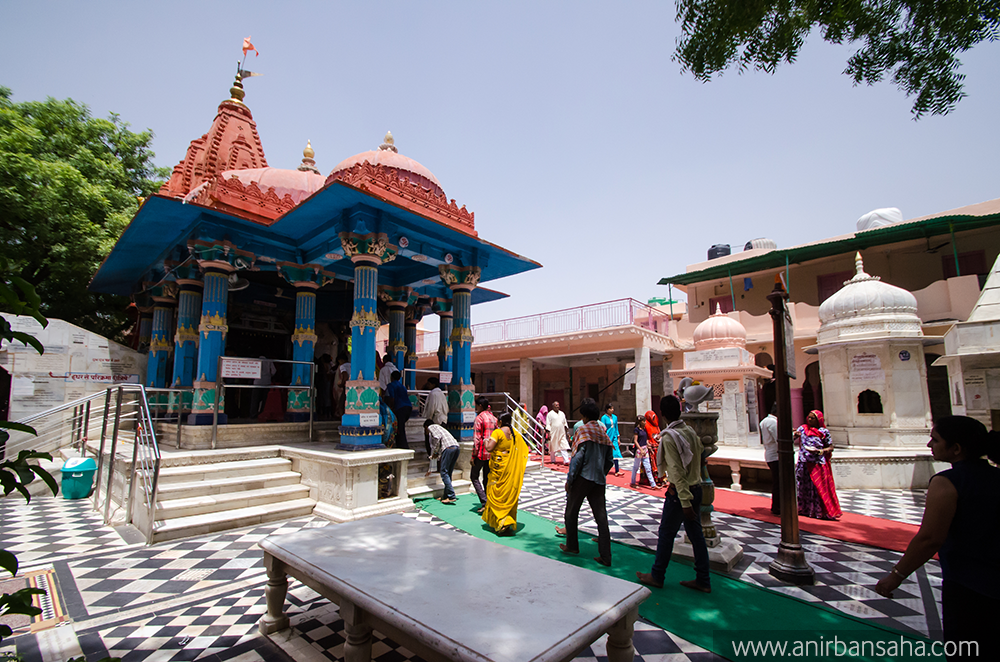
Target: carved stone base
x: 723, y: 557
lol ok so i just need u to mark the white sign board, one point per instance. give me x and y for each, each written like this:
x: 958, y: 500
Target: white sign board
x: 368, y: 420
x: 240, y: 368
x: 867, y: 368
x: 444, y: 377
x: 468, y: 417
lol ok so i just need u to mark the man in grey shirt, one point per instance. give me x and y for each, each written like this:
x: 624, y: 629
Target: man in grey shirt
x: 769, y: 438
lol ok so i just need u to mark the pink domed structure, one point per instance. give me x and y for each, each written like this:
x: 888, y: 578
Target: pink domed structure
x: 387, y: 155
x: 720, y: 330
x: 721, y: 361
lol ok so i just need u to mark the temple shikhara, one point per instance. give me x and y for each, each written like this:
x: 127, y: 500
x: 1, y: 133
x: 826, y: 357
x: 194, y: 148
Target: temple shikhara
x: 233, y: 257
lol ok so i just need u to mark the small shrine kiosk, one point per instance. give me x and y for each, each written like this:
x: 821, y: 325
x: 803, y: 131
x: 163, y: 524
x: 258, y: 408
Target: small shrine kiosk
x: 877, y: 407
x: 376, y: 238
x: 720, y: 359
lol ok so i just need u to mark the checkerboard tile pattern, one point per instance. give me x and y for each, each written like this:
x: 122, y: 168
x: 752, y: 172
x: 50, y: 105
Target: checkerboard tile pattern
x: 201, y: 598
x: 52, y: 527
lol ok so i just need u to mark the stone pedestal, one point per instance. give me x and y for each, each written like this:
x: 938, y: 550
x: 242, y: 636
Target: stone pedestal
x: 721, y: 553
x: 345, y: 484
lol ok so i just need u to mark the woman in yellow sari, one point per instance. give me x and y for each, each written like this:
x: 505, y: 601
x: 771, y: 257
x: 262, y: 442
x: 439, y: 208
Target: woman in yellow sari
x: 508, y: 457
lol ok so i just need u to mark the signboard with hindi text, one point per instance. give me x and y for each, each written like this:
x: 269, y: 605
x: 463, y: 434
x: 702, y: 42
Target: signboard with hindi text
x: 240, y: 368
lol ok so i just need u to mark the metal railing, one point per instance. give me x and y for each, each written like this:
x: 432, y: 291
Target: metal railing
x: 132, y: 475
x: 222, y: 386
x: 605, y: 315
x: 534, y: 435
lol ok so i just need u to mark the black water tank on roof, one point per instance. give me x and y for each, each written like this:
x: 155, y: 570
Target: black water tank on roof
x: 718, y: 250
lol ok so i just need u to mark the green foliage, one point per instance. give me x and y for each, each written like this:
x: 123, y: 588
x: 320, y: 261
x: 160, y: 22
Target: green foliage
x: 16, y: 474
x: 69, y: 184
x: 915, y: 42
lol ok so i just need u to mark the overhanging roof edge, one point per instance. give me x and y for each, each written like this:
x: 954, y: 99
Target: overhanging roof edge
x: 778, y: 257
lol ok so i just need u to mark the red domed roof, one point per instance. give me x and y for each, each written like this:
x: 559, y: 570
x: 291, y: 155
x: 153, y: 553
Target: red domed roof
x: 298, y: 184
x: 387, y: 155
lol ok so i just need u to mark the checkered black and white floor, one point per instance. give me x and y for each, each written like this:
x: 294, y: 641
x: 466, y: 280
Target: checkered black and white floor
x: 200, y: 599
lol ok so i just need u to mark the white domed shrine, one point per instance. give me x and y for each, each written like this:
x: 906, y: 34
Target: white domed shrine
x: 871, y: 360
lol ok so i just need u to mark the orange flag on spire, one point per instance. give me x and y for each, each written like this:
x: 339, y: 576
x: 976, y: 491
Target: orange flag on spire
x: 247, y: 46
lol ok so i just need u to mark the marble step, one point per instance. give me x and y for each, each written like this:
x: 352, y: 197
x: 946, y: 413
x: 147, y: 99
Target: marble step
x: 220, y: 470
x: 169, y: 509
x: 196, y: 488
x: 196, y: 525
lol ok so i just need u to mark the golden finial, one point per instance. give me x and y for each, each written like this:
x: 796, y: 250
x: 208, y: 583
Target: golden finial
x: 858, y: 264
x: 237, y: 89
x: 308, y: 164
x: 388, y: 143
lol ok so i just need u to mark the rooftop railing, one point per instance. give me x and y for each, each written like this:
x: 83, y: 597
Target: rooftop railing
x: 606, y: 315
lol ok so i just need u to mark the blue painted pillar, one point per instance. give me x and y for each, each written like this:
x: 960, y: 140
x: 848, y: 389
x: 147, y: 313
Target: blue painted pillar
x: 186, y: 342
x: 413, y: 317
x: 159, y: 344
x: 361, y: 426
x: 145, y: 328
x: 397, y: 342
x: 443, y: 309
x: 303, y: 341
x: 461, y: 394
x: 212, y: 331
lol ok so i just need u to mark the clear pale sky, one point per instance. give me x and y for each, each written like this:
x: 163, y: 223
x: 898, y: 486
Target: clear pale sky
x: 565, y: 127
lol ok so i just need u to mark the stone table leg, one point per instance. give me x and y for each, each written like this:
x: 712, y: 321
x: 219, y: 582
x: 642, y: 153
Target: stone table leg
x: 619, y: 645
x: 734, y: 467
x: 358, y: 647
x: 277, y: 586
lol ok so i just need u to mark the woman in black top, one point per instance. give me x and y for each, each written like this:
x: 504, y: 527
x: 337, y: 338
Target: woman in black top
x: 962, y: 524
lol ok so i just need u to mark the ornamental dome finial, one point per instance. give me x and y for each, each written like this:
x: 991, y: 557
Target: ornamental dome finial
x: 236, y: 91
x: 308, y: 164
x: 388, y: 143
x: 859, y: 266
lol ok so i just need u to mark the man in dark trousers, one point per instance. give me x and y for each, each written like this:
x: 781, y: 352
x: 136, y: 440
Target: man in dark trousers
x: 593, y: 457
x: 679, y: 456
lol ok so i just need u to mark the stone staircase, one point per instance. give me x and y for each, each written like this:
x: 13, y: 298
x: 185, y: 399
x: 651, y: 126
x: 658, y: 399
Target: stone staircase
x: 227, y: 493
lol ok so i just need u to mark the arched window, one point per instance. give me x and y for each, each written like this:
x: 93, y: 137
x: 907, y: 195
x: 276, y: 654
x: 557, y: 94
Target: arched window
x: 869, y: 402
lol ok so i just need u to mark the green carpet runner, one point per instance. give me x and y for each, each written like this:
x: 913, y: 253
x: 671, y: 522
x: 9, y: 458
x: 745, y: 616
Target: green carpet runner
x: 733, y: 615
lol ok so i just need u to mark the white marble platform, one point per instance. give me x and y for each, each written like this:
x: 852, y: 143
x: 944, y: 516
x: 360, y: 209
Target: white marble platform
x: 447, y: 595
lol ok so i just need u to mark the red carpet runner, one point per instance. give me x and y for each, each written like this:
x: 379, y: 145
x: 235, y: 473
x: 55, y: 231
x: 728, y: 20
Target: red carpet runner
x: 873, y: 531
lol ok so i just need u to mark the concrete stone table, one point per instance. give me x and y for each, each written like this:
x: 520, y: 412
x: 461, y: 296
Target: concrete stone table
x: 448, y: 596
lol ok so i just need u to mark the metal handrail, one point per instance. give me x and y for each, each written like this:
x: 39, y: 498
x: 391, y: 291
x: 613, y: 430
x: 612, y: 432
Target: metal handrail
x: 535, y: 437
x: 57, y: 431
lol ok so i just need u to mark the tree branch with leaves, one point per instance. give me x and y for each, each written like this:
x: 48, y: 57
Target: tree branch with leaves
x: 915, y: 43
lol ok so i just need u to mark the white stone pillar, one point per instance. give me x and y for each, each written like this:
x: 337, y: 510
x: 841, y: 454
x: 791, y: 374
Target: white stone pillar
x: 527, y: 375
x: 643, y: 382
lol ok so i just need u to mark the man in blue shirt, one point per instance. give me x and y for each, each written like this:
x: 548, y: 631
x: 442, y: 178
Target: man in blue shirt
x: 399, y: 401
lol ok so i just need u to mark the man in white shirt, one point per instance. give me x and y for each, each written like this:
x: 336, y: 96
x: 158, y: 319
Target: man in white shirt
x: 443, y: 447
x: 385, y: 374
x: 436, y: 405
x: 769, y: 438
x: 557, y: 426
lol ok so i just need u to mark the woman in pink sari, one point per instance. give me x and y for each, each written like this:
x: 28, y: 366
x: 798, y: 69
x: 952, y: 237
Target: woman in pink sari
x: 817, y: 494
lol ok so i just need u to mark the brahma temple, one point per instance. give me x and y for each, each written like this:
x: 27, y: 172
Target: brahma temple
x: 233, y: 257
